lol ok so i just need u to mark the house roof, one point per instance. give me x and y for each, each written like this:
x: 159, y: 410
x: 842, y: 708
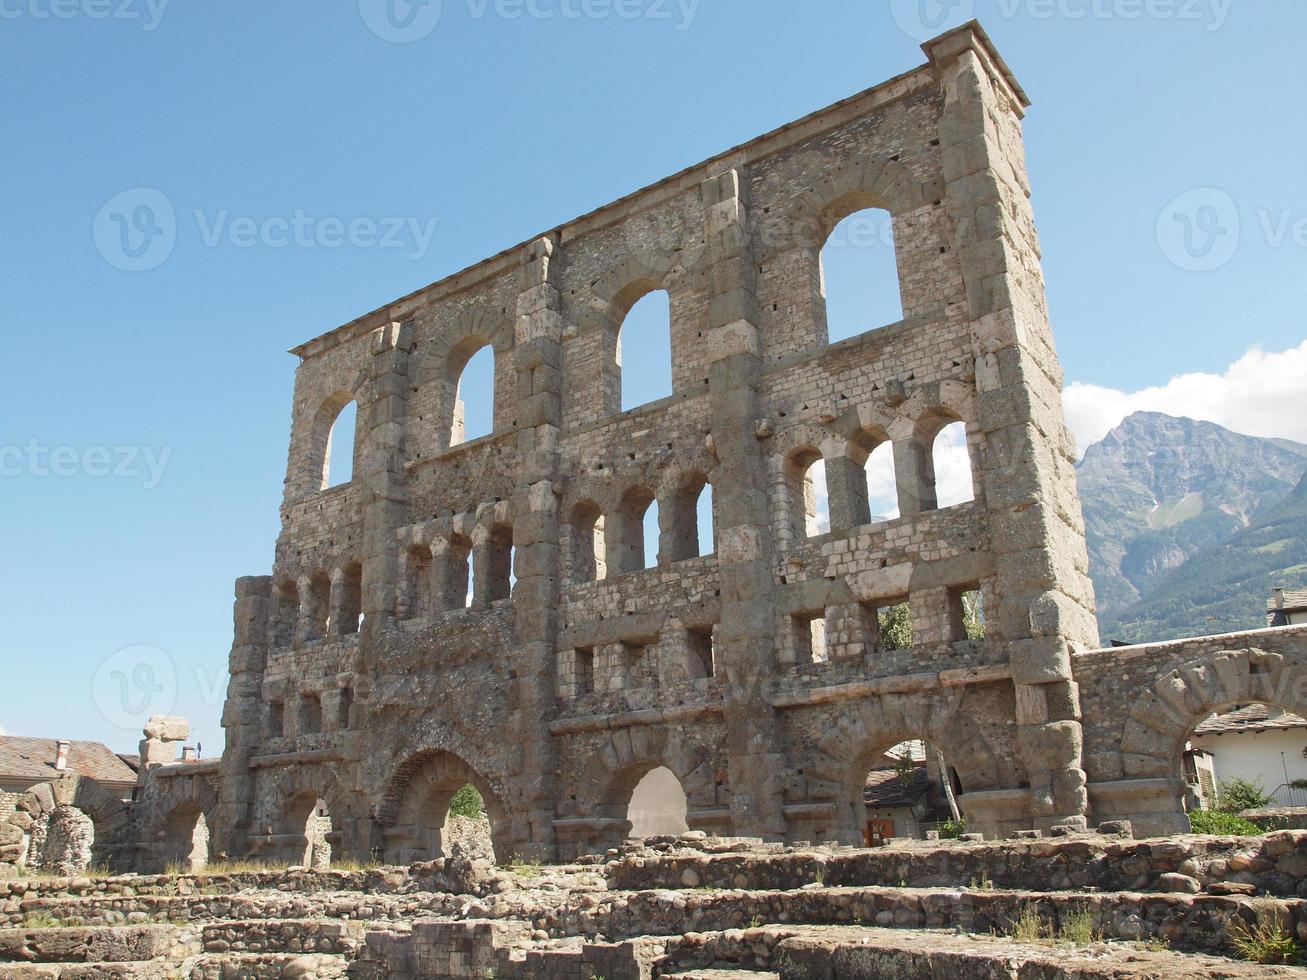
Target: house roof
x: 1247, y: 720
x: 1283, y: 602
x: 33, y: 759
x: 885, y: 789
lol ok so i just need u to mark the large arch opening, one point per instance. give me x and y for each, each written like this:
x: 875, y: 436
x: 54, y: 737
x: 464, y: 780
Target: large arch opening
x: 631, y: 533
x: 859, y: 273
x: 907, y: 789
x: 587, y: 550
x: 473, y: 395
x: 658, y: 806
x: 645, y: 341
x: 882, y: 484
x: 426, y: 794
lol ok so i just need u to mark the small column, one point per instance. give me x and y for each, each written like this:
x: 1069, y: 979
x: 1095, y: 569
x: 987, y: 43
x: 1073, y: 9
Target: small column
x: 846, y: 488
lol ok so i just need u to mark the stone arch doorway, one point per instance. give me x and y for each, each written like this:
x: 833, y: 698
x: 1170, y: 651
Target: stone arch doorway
x: 414, y: 811
x: 186, y: 838
x: 1155, y: 796
x: 308, y: 831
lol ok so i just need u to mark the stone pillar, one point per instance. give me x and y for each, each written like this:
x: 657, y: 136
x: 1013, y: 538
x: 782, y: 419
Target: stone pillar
x: 745, y: 642
x: 532, y: 701
x: 1044, y: 611
x: 846, y: 489
x: 242, y: 714
x: 914, y: 473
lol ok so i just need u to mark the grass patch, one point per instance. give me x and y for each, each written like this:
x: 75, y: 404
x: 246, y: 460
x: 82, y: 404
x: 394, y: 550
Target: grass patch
x: 44, y: 920
x: 1267, y: 941
x: 1075, y: 929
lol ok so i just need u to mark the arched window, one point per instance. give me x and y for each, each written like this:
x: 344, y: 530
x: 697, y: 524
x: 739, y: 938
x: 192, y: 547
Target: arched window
x: 492, y: 566
x: 473, y: 395
x: 346, y: 610
x: 626, y: 532
x: 882, y: 484
x: 860, y: 278
x: 953, y: 484
x: 645, y: 344
x: 691, y: 520
x: 339, y: 462
x: 587, y: 550
x: 658, y: 805
x: 319, y: 606
x: 809, y: 504
x: 418, y: 567
x: 652, y: 535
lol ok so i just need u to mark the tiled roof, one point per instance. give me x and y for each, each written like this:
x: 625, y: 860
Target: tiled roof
x: 1253, y: 718
x: 886, y: 789
x: 1292, y: 600
x: 33, y: 758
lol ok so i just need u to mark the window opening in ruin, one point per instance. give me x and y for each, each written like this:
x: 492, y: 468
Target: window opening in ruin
x: 339, y: 460
x: 644, y: 346
x: 346, y: 705
x: 310, y: 714
x: 707, y: 527
x: 458, y: 573
x: 628, y: 532
x: 474, y: 398
x: 589, y: 561
x: 307, y: 814
x: 467, y: 823
x: 658, y: 805
x: 585, y: 671
x: 652, y: 533
x: 882, y: 484
x: 808, y: 495
x: 809, y: 638
x: 953, y: 482
x: 347, y: 614
x: 967, y: 613
x: 1222, y: 778
x: 702, y: 657
x: 893, y: 625
x: 498, y: 554
x: 860, y: 278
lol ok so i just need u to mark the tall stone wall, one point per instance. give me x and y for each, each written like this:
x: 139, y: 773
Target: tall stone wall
x: 391, y: 657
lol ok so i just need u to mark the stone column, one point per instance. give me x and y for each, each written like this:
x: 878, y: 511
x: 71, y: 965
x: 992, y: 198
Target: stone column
x: 1044, y: 610
x: 846, y: 489
x: 242, y: 714
x: 532, y: 697
x: 745, y: 642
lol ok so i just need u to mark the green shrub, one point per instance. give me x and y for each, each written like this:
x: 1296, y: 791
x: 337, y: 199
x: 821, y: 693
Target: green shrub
x: 952, y: 829
x: 1222, y: 824
x: 467, y: 802
x: 1237, y: 795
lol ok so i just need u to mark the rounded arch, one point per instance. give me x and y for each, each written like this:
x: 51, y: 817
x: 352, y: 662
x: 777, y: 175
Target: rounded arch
x: 113, y: 847
x: 324, y: 441
x: 446, y: 361
x: 1165, y: 713
x: 587, y: 552
x: 288, y: 799
x: 415, y: 803
x: 857, y: 737
x: 618, y: 764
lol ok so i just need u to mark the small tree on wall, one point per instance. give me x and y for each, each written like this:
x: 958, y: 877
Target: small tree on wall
x: 896, y: 627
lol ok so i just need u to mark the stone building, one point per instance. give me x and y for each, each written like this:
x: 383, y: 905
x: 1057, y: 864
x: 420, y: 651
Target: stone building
x: 484, y: 611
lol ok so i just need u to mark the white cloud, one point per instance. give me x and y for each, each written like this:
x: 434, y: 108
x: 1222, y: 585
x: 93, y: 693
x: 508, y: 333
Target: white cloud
x: 1260, y: 394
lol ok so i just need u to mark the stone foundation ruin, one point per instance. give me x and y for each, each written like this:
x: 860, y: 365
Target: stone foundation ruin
x: 484, y: 612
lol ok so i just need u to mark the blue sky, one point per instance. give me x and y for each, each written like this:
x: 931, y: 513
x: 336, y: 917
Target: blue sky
x: 144, y: 414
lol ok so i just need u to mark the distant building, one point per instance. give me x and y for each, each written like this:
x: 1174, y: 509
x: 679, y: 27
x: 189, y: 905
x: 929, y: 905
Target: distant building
x: 25, y: 762
x: 1287, y: 608
x: 1259, y: 743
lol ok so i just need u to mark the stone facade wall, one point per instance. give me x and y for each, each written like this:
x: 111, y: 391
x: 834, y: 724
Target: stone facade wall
x: 445, y: 618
